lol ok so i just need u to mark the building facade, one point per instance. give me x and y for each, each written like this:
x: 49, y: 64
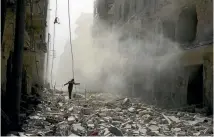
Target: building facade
x: 35, y: 43
x: 187, y: 24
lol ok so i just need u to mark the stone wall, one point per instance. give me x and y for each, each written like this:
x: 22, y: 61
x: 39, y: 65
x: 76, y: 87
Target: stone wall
x: 153, y: 13
x: 30, y: 53
x: 208, y: 80
x: 186, y: 22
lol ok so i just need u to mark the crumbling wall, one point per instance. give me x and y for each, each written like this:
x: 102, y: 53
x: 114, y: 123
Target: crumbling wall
x: 29, y: 51
x: 181, y: 22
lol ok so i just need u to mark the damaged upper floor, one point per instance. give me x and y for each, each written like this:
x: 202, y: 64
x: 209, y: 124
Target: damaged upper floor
x: 188, y: 23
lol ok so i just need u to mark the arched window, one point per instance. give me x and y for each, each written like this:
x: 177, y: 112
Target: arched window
x: 187, y: 25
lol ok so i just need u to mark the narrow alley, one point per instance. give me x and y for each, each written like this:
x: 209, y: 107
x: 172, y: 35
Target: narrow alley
x: 107, y: 68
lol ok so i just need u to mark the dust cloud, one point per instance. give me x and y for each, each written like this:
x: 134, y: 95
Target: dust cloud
x: 119, y: 61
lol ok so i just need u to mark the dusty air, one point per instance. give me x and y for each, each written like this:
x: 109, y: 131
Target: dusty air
x: 107, y: 68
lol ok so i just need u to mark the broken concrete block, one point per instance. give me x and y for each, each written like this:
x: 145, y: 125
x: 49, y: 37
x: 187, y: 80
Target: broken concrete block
x: 71, y: 119
x: 78, y: 127
x: 176, y: 129
x: 131, y: 109
x: 173, y: 118
x: 115, y: 131
x: 126, y: 102
x: 72, y: 134
x: 108, y: 119
x: 78, y: 96
x: 86, y: 111
x: 151, y: 133
x: 153, y: 128
x: 90, y: 125
x: 143, y: 130
x: 116, y: 123
x: 106, y: 132
x: 71, y: 109
x: 128, y: 126
x: 36, y: 117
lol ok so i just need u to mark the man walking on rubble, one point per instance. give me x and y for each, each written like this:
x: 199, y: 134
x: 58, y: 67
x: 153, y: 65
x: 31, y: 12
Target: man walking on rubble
x: 70, y: 86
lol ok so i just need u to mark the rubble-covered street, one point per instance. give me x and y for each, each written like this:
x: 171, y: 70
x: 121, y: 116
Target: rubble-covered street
x: 97, y: 116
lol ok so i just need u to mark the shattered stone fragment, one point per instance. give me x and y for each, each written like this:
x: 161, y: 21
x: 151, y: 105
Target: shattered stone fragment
x: 71, y: 135
x: 151, y: 133
x: 115, y: 131
x: 108, y: 119
x: 22, y: 134
x: 153, y: 128
x: 106, y: 132
x: 78, y: 96
x: 197, y: 134
x: 52, y: 120
x: 126, y: 102
x: 116, y: 123
x: 48, y: 109
x: 131, y: 109
x: 36, y: 117
x: 71, y: 109
x: 128, y: 126
x: 143, y: 130
x: 78, y: 127
x: 181, y: 133
x: 176, y: 129
x: 86, y: 111
x: 208, y: 131
x: 91, y: 125
x: 71, y: 119
x: 175, y: 119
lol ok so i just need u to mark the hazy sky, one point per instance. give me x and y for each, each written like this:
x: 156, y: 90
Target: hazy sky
x: 62, y: 29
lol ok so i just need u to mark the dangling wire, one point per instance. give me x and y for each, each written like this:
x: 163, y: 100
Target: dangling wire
x: 55, y: 21
x: 69, y: 19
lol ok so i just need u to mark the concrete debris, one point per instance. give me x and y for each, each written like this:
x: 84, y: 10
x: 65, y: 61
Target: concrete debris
x: 78, y: 127
x: 131, y: 109
x: 78, y: 96
x: 173, y: 118
x: 126, y: 102
x: 71, y: 119
x: 115, y: 131
x: 97, y: 116
x: 71, y: 109
x: 153, y: 128
x: 86, y: 111
x: 71, y: 135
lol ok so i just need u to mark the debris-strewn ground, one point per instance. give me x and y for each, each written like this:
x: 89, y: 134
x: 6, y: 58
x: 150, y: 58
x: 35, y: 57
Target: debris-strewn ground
x: 95, y: 115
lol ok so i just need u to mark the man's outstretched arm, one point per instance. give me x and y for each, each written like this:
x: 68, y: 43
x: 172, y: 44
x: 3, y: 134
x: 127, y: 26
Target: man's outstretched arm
x: 67, y: 83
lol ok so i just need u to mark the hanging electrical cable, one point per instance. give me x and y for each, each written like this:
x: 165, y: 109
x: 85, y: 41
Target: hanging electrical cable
x: 72, y: 55
x: 55, y: 21
x: 69, y: 19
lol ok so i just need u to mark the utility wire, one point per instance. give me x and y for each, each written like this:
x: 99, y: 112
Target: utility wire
x: 53, y: 46
x: 69, y: 19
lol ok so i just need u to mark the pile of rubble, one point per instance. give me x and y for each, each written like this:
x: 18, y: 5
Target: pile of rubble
x: 94, y: 115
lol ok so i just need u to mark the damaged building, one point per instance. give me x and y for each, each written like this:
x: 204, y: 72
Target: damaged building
x: 34, y: 46
x: 186, y: 23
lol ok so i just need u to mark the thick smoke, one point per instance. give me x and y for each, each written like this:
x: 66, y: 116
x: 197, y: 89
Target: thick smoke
x: 118, y: 61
